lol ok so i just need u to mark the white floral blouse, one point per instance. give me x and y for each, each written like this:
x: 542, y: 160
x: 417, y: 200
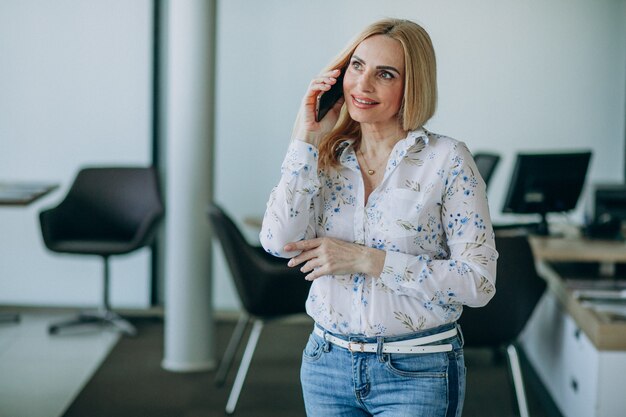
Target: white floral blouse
x: 429, y: 214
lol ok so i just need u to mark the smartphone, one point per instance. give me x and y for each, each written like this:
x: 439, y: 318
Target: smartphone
x: 327, y: 99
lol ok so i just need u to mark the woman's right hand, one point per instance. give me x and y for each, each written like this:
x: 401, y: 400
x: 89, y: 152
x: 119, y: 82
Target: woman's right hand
x: 306, y: 128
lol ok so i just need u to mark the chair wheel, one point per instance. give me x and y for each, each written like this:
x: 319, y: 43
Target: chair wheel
x: 53, y: 330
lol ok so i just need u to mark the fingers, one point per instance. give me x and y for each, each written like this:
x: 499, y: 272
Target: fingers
x: 330, y: 75
x: 309, y: 255
x: 313, y: 263
x: 314, y: 268
x: 320, y: 85
x: 329, y: 256
x: 307, y: 128
x: 302, y: 245
x: 303, y: 257
x: 324, y: 82
x: 315, y: 257
x: 319, y: 272
x: 307, y: 252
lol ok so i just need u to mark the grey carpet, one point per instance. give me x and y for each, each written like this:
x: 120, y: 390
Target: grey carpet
x: 131, y: 381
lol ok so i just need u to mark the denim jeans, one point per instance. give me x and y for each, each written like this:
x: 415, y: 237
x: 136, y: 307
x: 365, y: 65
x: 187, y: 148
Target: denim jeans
x: 337, y: 382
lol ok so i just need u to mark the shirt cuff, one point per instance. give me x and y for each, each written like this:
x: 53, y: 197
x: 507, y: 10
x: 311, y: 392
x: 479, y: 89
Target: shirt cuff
x: 394, y: 270
x: 401, y: 271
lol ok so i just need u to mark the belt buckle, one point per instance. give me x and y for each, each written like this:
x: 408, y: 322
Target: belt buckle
x: 361, y: 347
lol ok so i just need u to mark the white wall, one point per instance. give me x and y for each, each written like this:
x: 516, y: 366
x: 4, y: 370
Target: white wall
x: 74, y: 90
x: 513, y: 76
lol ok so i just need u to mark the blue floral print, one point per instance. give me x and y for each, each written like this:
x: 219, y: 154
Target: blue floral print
x: 429, y: 214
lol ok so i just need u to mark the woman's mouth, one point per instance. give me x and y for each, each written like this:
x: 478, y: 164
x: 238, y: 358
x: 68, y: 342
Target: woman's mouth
x: 363, y: 102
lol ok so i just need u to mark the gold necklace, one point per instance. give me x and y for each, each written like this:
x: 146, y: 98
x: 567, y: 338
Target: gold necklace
x: 369, y: 170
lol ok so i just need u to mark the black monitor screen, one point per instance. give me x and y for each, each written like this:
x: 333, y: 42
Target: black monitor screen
x: 545, y: 183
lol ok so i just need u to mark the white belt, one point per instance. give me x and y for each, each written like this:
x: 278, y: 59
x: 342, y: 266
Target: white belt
x: 402, y: 346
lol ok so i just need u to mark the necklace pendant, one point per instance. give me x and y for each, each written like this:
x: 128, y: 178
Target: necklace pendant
x: 371, y: 171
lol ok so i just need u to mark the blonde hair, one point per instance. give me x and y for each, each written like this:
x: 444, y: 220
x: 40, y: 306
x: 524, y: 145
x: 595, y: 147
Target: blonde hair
x: 420, y: 84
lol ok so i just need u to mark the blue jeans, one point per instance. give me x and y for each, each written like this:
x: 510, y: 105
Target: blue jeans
x: 339, y: 383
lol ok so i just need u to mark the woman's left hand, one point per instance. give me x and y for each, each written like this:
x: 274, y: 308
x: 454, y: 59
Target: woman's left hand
x: 326, y: 256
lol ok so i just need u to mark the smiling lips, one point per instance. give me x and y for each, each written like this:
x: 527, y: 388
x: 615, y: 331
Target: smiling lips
x: 363, y: 102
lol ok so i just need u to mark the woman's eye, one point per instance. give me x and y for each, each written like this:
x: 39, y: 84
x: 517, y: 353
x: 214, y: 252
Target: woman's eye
x: 356, y: 65
x: 386, y: 75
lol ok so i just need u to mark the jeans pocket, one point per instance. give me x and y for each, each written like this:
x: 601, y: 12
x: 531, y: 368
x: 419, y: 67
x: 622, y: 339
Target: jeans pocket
x: 313, y: 349
x: 432, y: 365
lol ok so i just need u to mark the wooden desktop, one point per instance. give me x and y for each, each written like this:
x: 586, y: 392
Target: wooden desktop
x: 579, y: 353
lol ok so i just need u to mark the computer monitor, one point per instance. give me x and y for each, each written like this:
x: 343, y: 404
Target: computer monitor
x: 546, y: 183
x: 609, y: 212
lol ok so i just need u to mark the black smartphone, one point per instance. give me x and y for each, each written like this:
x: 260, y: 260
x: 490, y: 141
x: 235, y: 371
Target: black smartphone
x: 327, y: 99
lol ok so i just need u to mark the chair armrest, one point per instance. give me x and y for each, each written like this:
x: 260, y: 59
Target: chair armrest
x: 146, y: 229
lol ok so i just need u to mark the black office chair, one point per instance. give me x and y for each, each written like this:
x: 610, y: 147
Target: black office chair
x: 486, y: 164
x: 107, y: 211
x: 499, y: 323
x: 268, y: 290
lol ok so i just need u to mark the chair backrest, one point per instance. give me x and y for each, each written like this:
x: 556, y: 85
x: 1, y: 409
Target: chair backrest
x: 116, y: 203
x: 518, y: 289
x: 265, y: 284
x: 236, y: 249
x: 486, y: 164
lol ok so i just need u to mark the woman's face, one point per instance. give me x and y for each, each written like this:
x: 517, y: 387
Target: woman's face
x: 373, y: 84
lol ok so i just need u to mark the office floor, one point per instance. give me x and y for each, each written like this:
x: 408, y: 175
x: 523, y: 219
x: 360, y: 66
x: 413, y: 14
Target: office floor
x: 40, y: 374
x: 43, y: 376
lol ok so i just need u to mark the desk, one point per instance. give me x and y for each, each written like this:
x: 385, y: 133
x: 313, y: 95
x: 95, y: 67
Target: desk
x: 21, y: 194
x: 605, y: 333
x: 577, y: 249
x: 579, y: 354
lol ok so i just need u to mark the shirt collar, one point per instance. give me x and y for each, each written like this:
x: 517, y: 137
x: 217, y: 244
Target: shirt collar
x: 402, y: 148
x: 411, y: 139
x: 347, y: 155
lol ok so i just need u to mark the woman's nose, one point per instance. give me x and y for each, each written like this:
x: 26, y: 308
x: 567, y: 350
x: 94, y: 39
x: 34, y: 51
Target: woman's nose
x: 365, y: 83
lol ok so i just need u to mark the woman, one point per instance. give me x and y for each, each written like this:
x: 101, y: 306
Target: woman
x: 391, y: 224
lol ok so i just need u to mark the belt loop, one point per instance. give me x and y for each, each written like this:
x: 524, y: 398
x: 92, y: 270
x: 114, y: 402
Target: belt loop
x: 460, y: 334
x: 326, y: 342
x: 379, y: 348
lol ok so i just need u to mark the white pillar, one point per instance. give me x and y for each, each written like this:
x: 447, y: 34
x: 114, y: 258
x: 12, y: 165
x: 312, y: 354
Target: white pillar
x: 188, y: 71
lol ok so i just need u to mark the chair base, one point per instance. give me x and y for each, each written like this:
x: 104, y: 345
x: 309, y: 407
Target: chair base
x: 101, y: 318
x: 518, y: 382
x: 233, y: 344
